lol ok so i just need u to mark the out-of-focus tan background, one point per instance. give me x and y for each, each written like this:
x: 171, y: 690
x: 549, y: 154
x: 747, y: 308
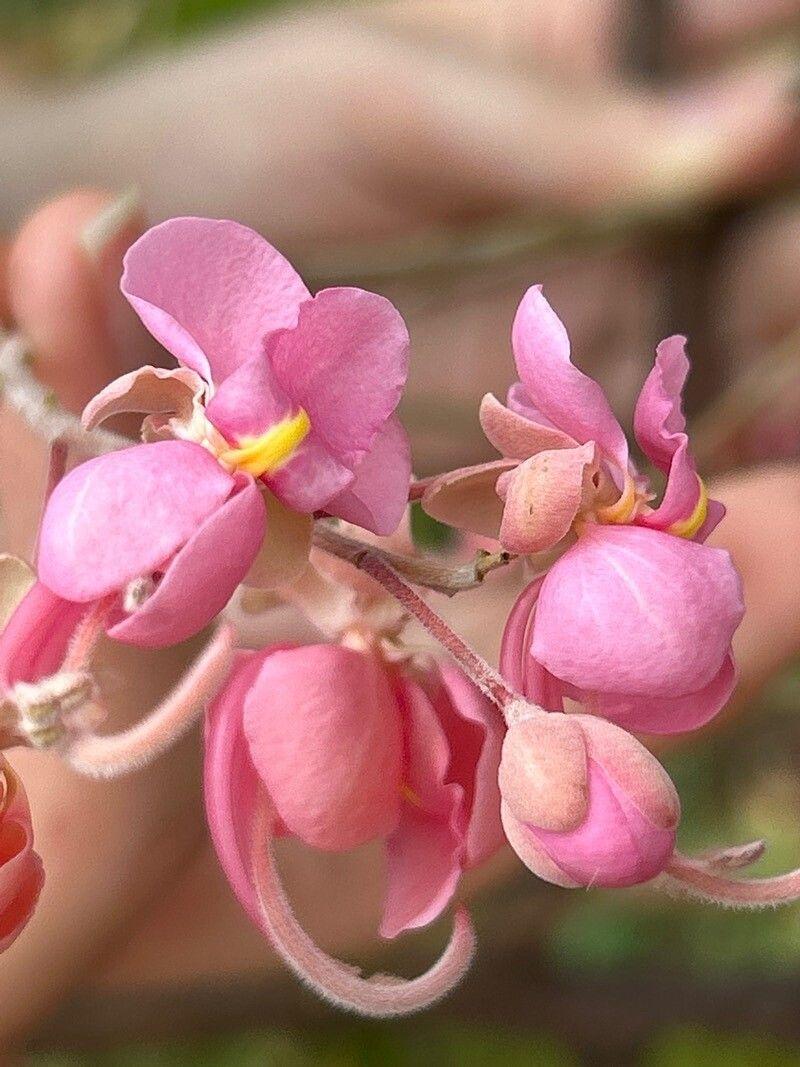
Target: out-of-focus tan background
x: 640, y: 159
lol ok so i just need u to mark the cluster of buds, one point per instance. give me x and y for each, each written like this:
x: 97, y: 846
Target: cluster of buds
x: 272, y: 468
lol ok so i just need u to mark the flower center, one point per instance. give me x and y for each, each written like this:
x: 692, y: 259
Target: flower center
x: 265, y: 454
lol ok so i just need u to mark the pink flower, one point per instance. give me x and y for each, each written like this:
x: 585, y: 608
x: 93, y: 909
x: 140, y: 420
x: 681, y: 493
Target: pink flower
x: 584, y: 804
x: 21, y: 873
x: 566, y: 458
x: 635, y: 618
x: 283, y: 406
x: 349, y: 749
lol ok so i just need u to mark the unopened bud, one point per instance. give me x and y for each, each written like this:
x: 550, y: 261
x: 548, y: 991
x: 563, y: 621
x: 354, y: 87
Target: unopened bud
x: 584, y: 803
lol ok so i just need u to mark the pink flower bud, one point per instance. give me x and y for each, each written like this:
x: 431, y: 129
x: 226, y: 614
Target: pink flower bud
x: 584, y: 803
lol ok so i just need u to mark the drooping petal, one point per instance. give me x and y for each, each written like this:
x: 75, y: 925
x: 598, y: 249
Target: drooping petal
x: 148, y: 391
x: 325, y: 737
x: 656, y: 714
x: 660, y: 429
x: 231, y: 783
x: 377, y: 498
x: 425, y: 851
x: 475, y: 729
x: 202, y: 576
x: 514, y: 435
x: 543, y: 497
x: 346, y: 364
x: 467, y: 499
x: 124, y: 514
x: 636, y: 611
x: 210, y: 291
x: 21, y: 872
x: 573, y: 402
x: 34, y: 641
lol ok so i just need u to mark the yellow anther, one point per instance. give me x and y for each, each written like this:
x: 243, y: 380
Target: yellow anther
x: 622, y: 510
x: 409, y: 795
x: 265, y: 454
x: 689, y: 527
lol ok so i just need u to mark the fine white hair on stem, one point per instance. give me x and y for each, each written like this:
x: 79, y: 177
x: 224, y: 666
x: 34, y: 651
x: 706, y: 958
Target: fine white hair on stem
x: 703, y: 881
x: 36, y: 405
x: 132, y: 749
x: 380, y: 996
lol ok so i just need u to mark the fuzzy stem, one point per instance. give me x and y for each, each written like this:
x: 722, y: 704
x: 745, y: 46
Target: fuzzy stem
x: 488, y: 680
x: 424, y: 571
x: 37, y: 406
x: 132, y: 749
x: 86, y: 635
x: 381, y: 996
x: 699, y: 879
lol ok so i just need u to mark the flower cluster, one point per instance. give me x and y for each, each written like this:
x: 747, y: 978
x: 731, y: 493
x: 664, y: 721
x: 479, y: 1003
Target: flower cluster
x: 272, y: 468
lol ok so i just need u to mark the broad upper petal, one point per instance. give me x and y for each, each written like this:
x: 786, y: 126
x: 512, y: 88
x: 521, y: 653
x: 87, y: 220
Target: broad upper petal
x: 210, y: 291
x: 346, y: 363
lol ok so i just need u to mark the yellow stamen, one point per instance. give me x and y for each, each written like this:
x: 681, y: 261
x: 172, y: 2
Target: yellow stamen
x: 265, y: 454
x: 409, y: 794
x: 622, y: 510
x: 689, y: 527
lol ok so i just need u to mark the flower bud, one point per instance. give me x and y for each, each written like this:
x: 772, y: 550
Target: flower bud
x: 584, y: 803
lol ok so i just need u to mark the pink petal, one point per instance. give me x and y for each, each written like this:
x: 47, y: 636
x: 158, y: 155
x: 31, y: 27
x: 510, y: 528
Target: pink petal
x: 617, y: 845
x: 346, y: 363
x: 517, y: 665
x: 210, y: 291
x: 475, y: 731
x: 569, y: 399
x: 654, y: 714
x: 467, y: 499
x: 149, y: 391
x: 311, y: 478
x: 515, y: 436
x: 202, y: 576
x: 124, y: 514
x: 378, y: 497
x: 230, y: 782
x: 325, y: 737
x: 424, y: 854
x: 660, y: 426
x: 635, y: 611
x: 543, y: 497
x: 21, y: 872
x: 249, y: 401
x: 34, y: 641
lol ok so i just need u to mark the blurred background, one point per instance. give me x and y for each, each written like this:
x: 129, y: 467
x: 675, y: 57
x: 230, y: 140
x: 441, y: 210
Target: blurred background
x: 641, y: 159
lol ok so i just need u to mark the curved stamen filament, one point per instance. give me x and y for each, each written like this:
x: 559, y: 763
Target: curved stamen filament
x: 621, y: 511
x: 379, y: 996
